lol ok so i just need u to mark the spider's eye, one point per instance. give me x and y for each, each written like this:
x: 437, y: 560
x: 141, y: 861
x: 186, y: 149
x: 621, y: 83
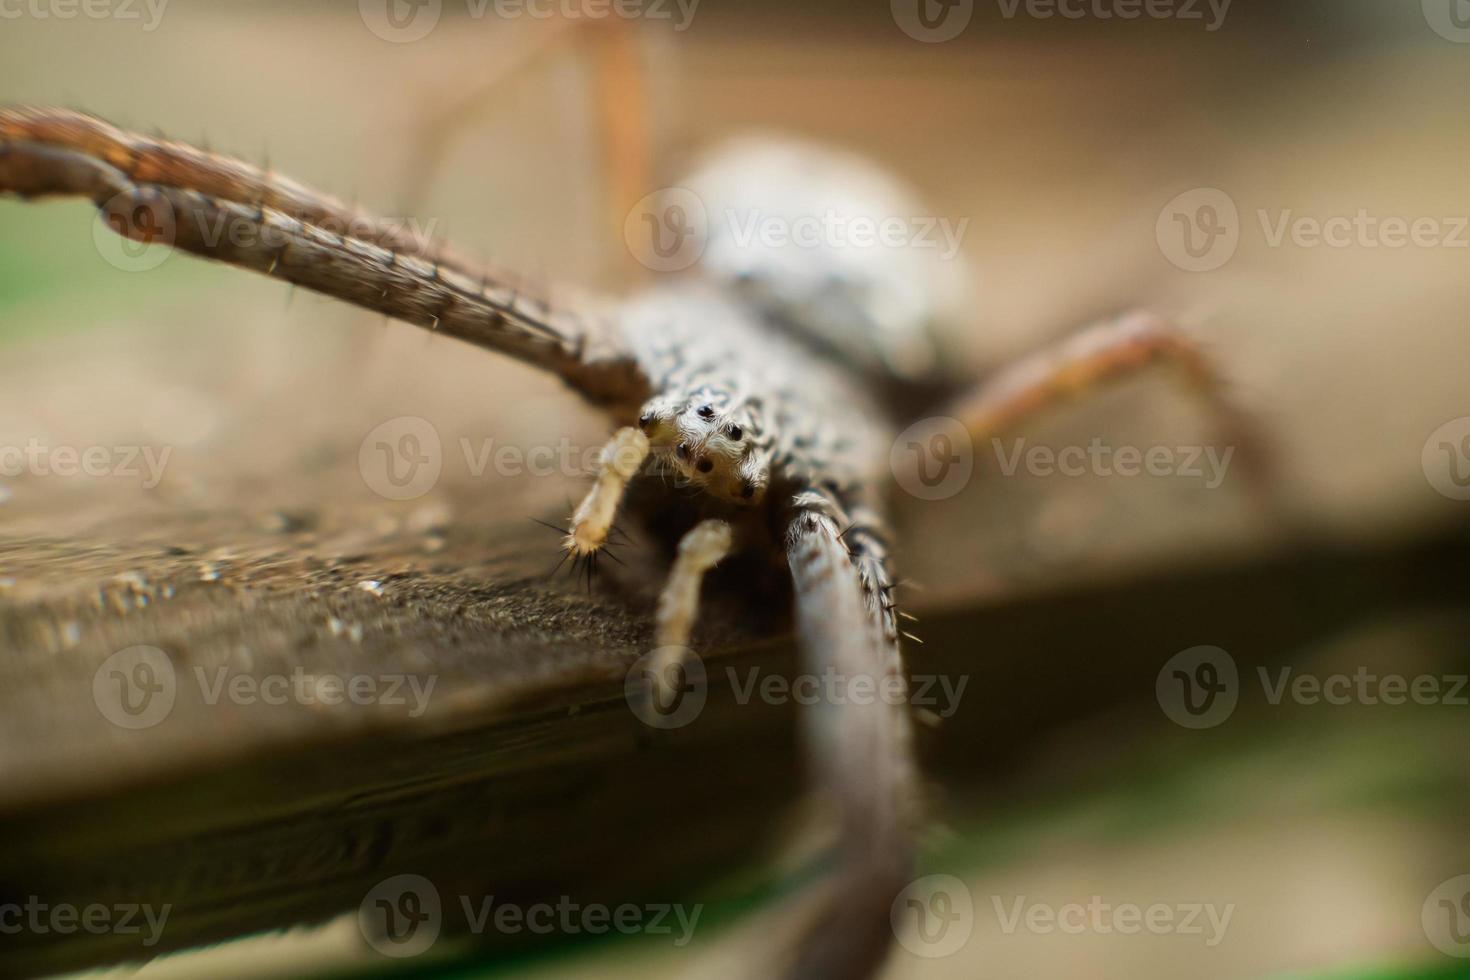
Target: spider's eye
x: 682, y: 450
x: 706, y: 411
x: 735, y: 432
x: 704, y: 466
x: 747, y: 489
x: 644, y: 421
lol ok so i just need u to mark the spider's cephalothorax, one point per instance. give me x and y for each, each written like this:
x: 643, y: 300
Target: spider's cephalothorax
x: 712, y: 440
x: 761, y: 384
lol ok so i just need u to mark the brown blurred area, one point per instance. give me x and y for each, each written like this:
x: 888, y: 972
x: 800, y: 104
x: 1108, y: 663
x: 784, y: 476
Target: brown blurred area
x: 1060, y: 142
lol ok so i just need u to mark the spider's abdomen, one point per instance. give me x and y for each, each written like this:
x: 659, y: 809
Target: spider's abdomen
x: 832, y: 249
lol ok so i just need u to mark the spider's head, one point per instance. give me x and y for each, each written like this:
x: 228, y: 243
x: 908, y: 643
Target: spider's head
x: 712, y: 443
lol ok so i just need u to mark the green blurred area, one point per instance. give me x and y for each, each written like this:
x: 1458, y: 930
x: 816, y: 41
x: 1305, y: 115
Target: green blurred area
x: 54, y: 282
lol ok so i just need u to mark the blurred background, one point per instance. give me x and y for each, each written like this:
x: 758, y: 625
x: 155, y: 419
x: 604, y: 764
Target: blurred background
x: 1090, y: 153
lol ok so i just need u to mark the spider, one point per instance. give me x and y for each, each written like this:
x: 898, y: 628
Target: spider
x: 768, y: 384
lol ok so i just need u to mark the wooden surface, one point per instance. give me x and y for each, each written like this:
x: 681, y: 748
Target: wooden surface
x: 527, y: 773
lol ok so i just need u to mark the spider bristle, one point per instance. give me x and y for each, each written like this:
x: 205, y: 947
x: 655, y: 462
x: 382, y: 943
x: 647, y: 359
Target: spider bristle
x: 914, y: 638
x: 909, y: 616
x: 548, y: 525
x: 565, y: 555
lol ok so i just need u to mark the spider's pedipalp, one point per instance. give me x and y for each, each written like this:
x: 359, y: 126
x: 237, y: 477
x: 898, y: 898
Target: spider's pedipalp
x: 592, y: 521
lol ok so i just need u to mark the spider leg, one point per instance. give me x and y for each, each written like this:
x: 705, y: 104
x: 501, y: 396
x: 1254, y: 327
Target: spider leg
x: 861, y: 750
x: 618, y: 59
x: 223, y: 209
x: 703, y: 547
x: 592, y: 521
x: 1105, y: 352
